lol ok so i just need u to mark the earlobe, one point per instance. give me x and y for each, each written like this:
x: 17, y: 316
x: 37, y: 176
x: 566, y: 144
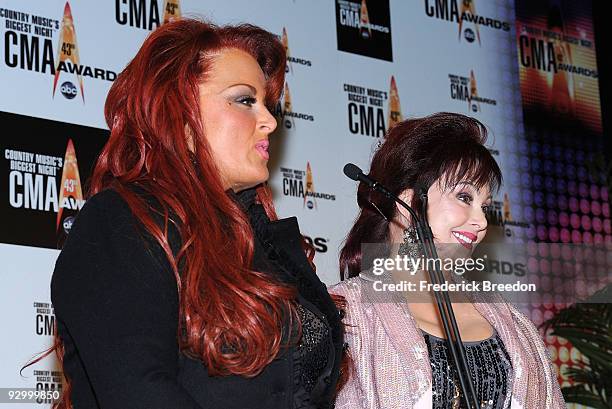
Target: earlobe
x: 189, y: 138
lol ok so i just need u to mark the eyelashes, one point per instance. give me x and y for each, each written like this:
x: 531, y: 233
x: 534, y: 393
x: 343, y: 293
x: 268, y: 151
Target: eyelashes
x: 465, y: 197
x: 468, y: 199
x: 246, y: 100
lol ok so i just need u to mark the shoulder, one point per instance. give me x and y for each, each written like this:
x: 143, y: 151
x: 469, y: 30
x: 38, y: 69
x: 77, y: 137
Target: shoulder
x: 352, y: 288
x: 106, y: 231
x: 349, y: 288
x: 107, y: 251
x: 108, y: 215
x: 106, y: 204
x: 524, y: 323
x: 101, y: 213
x: 103, y: 228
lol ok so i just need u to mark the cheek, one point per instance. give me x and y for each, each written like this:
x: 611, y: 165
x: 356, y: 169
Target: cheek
x: 481, y: 235
x: 445, y: 217
x: 241, y: 120
x: 239, y: 130
x: 229, y: 132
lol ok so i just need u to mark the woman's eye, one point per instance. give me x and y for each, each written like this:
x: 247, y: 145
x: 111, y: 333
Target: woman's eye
x: 246, y: 100
x: 485, y: 208
x: 464, y: 197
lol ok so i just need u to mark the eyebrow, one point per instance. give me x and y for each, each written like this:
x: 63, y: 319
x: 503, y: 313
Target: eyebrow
x: 467, y: 182
x: 252, y: 88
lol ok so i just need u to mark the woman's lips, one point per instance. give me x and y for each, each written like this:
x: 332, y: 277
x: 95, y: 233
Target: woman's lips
x: 465, y: 238
x: 262, y: 148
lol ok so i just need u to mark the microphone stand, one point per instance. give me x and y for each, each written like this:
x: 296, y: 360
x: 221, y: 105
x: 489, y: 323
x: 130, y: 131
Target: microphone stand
x: 447, y: 314
x: 449, y: 322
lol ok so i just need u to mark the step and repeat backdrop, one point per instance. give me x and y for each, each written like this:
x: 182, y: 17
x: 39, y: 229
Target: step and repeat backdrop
x: 355, y: 67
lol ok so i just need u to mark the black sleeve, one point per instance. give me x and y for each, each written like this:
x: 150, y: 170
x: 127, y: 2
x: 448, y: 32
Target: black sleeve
x: 116, y: 304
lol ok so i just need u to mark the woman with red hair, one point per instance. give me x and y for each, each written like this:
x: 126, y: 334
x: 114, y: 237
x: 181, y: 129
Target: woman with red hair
x: 177, y: 287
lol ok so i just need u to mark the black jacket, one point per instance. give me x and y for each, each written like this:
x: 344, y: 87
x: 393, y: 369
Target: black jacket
x: 116, y: 303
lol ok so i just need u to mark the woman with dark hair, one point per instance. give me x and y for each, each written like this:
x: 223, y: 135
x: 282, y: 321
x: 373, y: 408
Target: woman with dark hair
x: 396, y: 339
x: 178, y: 287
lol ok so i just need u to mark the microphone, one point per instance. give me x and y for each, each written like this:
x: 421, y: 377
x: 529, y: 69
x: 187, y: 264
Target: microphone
x: 353, y: 171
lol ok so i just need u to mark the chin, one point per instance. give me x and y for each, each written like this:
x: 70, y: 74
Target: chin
x: 260, y: 178
x: 264, y: 177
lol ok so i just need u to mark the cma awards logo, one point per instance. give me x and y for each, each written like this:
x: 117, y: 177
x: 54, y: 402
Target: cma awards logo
x: 49, y: 381
x: 364, y: 28
x: 548, y: 51
x: 29, y: 46
x: 284, y: 111
x: 366, y: 109
x: 300, y: 184
x: 356, y: 15
x: 463, y: 12
x: 45, y: 318
x: 46, y: 380
x: 145, y: 14
x: 466, y: 89
x: 33, y: 185
x: 394, y: 109
x: 291, y: 60
x: 364, y: 21
x: 71, y: 193
x: 68, y: 53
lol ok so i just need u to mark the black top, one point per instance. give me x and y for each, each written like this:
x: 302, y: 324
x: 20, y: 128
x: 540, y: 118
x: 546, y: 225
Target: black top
x: 116, y: 303
x: 489, y: 365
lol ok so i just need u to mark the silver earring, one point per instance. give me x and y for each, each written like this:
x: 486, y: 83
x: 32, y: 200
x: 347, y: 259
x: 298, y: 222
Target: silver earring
x: 410, y: 246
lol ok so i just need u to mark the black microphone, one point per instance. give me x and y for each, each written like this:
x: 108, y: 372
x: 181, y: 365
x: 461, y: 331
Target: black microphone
x: 353, y: 171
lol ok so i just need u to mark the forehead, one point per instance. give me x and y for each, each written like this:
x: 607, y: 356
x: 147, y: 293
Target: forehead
x: 474, y: 179
x: 483, y: 190
x: 232, y: 66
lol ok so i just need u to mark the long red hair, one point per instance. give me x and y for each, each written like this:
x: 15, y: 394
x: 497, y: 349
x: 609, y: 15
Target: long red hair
x: 152, y: 109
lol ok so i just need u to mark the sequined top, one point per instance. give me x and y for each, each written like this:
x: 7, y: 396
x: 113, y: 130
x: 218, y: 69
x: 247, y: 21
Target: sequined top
x: 391, y: 363
x: 489, y: 365
x: 313, y: 357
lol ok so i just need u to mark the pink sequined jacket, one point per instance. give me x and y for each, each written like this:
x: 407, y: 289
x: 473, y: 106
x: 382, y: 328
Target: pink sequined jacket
x: 391, y: 362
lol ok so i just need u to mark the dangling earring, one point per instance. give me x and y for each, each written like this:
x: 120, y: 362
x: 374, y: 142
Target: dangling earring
x: 410, y: 245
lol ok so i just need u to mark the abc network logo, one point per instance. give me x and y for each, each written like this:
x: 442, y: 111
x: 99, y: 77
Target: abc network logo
x: 67, y: 224
x: 68, y: 90
x: 469, y: 35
